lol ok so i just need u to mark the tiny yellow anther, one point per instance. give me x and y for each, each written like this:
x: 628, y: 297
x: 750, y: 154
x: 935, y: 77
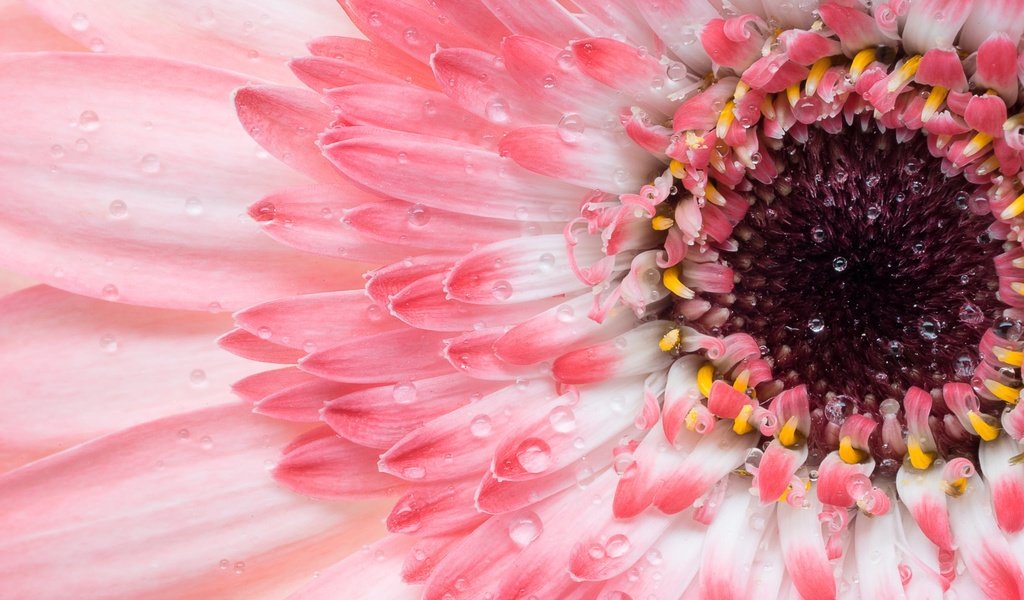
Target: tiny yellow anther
x: 817, y: 72
x: 725, y: 119
x: 712, y: 195
x: 741, y: 90
x: 768, y: 107
x: 989, y: 165
x: 788, y: 435
x: 984, y: 429
x: 1017, y: 287
x: 670, y: 340
x: 979, y: 142
x: 848, y: 453
x: 919, y: 459
x: 660, y: 223
x: 861, y: 61
x: 1009, y: 357
x: 955, y: 488
x: 677, y: 169
x: 1018, y: 262
x: 793, y: 94
x: 742, y: 381
x: 935, y: 99
x: 691, y: 419
x: 906, y: 71
x: 1014, y: 209
x: 670, y: 278
x: 705, y: 377
x: 741, y: 424
x: 942, y: 140
x: 1003, y: 392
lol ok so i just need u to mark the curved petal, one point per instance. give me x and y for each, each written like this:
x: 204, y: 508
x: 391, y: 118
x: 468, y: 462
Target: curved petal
x: 254, y: 37
x: 172, y: 517
x: 26, y: 32
x: 117, y: 206
x: 75, y: 368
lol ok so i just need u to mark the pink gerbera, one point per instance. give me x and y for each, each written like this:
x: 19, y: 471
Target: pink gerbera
x: 668, y: 299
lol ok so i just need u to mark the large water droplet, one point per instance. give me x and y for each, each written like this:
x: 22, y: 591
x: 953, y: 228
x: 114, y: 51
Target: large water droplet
x: 501, y: 289
x: 496, y: 110
x: 970, y: 313
x: 480, y: 426
x: 118, y: 209
x: 562, y: 419
x: 816, y: 325
x: 839, y: 264
x: 418, y: 215
x: 929, y: 330
x: 534, y: 455
x: 404, y: 392
x: 571, y: 128
x: 525, y: 529
x: 88, y: 121
x: 617, y: 546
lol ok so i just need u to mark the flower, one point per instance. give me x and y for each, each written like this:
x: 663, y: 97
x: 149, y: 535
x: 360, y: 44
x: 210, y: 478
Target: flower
x: 678, y: 300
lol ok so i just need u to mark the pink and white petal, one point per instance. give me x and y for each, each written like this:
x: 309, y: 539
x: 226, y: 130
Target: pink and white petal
x: 448, y: 175
x: 322, y: 465
x: 474, y: 18
x: 77, y: 368
x: 669, y: 567
x: 992, y: 16
x: 129, y: 209
x: 472, y: 353
x: 316, y: 321
x: 611, y: 547
x: 924, y: 496
x: 776, y: 470
x: 548, y: 20
x: 24, y: 31
x: 679, y: 23
x: 258, y: 386
x: 385, y: 282
x: 465, y: 570
x: 714, y: 457
x: 12, y: 282
x: 934, y: 24
x: 875, y: 540
x: 129, y: 496
x: 406, y: 26
x: 247, y: 345
x: 768, y: 571
x: 399, y: 355
x: 286, y: 121
x: 302, y: 402
x: 376, y: 569
x: 323, y: 73
x: 635, y: 352
x: 439, y: 509
x: 733, y: 542
x: 424, y: 556
x: 1005, y: 478
x: 986, y: 552
x: 803, y: 550
x: 256, y: 38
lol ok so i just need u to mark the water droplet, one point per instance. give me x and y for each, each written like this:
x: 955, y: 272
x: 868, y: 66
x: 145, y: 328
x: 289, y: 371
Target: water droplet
x: 109, y: 344
x: 676, y: 71
x: 549, y: 81
x: 496, y: 110
x: 193, y: 207
x: 839, y: 264
x: 571, y: 128
x: 617, y: 546
x: 929, y: 330
x: 110, y: 292
x: 264, y: 333
x: 411, y: 36
x: 79, y: 22
x: 547, y: 261
x: 816, y: 325
x: 118, y: 209
x: 964, y: 366
x: 414, y: 473
x: 918, y: 248
x: 501, y: 290
x: 872, y: 180
x: 835, y: 409
x: 562, y: 419
x: 206, y: 442
x: 239, y: 568
x: 88, y: 121
x: 962, y: 200
x: 565, y: 313
x: 818, y: 234
x: 150, y: 164
x: 525, y: 529
x: 873, y: 212
x: 970, y: 313
x: 97, y: 45
x: 534, y: 455
x: 224, y: 564
x: 404, y: 392
x: 197, y: 378
x: 418, y: 215
x: 889, y: 406
x: 480, y: 426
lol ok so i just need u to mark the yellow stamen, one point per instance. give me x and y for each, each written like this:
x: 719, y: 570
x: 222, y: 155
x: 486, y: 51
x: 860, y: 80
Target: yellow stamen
x: 935, y: 99
x: 979, y: 142
x: 712, y: 195
x: 670, y: 340
x: 905, y: 73
x: 942, y: 140
x: 1014, y: 209
x: 741, y: 425
x: 725, y: 119
x: 1009, y: 357
x: 705, y: 377
x: 677, y: 169
x: 989, y: 165
x: 860, y: 62
x: 788, y: 435
x: 742, y: 381
x: 768, y: 107
x: 741, y: 90
x: 817, y: 72
x: 793, y: 94
x: 919, y: 459
x: 670, y: 278
x: 1018, y: 262
x: 691, y: 419
x: 660, y: 223
x: 955, y: 488
x: 1003, y: 392
x: 1018, y: 287
x: 848, y: 453
x: 985, y: 430
x: 1014, y: 122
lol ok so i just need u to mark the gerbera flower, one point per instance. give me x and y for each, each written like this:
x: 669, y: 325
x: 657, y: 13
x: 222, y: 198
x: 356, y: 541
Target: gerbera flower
x: 679, y: 299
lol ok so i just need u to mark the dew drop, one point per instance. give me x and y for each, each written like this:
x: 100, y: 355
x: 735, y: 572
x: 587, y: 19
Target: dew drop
x: 816, y: 325
x: 404, y: 392
x: 496, y: 110
x: 571, y: 128
x: 88, y: 121
x: 197, y: 378
x: 929, y: 330
x: 835, y: 409
x: 480, y: 426
x: 224, y: 564
x: 79, y: 22
x: 964, y: 366
x: 534, y: 455
x: 970, y: 313
x: 501, y: 290
x: 418, y: 215
x: 818, y: 234
x: 676, y: 71
x: 150, y: 164
x: 193, y: 207
x: 206, y: 442
x: 617, y: 546
x: 264, y: 333
x: 547, y: 261
x: 839, y: 264
x: 109, y: 344
x: 110, y: 292
x: 873, y: 213
x: 414, y: 473
x: 118, y: 209
x: 565, y: 313
x: 562, y: 419
x: 525, y: 529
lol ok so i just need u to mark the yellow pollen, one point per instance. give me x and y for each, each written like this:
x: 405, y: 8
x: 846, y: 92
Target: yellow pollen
x: 817, y: 72
x: 1014, y: 209
x: 693, y: 140
x: 1018, y: 262
x: 788, y: 435
x: 906, y: 71
x: 935, y: 99
x: 848, y: 453
x: 1018, y: 287
x: 861, y: 61
x: 768, y: 107
x: 986, y: 431
x: 942, y: 140
x: 670, y: 340
x: 919, y: 459
x: 741, y: 90
x: 725, y: 119
x: 691, y: 419
x: 978, y: 143
x: 677, y: 169
x: 793, y: 94
x: 1009, y: 357
x: 712, y: 195
x: 1003, y: 392
x: 705, y: 377
x: 660, y: 223
x: 955, y: 488
x: 670, y: 278
x: 789, y: 488
x: 742, y: 381
x: 990, y: 164
x: 741, y: 424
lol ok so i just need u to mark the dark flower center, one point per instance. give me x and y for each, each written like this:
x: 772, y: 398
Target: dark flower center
x: 864, y: 270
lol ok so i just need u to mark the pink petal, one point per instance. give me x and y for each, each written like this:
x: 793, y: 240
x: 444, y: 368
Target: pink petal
x: 24, y: 31
x: 104, y: 354
x: 136, y: 207
x: 257, y: 386
x: 320, y: 464
x: 924, y: 31
x: 628, y: 69
x: 405, y: 26
x: 679, y: 23
x: 997, y: 67
x: 778, y: 465
x: 734, y: 541
x: 405, y: 354
x: 989, y: 557
x: 377, y: 567
x: 855, y: 28
x: 256, y: 38
x: 428, y: 510
x: 715, y: 456
x: 635, y: 352
x: 1006, y: 482
x: 302, y: 402
x: 547, y: 20
x: 129, y: 496
x: 472, y: 353
x: 621, y: 544
x: 253, y: 347
x: 804, y: 551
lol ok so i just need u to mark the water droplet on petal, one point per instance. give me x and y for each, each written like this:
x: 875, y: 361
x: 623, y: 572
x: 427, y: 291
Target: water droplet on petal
x: 501, y: 290
x: 197, y: 378
x: 418, y: 215
x: 79, y: 22
x: 534, y: 455
x: 118, y: 209
x: 496, y: 110
x: 525, y: 529
x: 110, y: 292
x: 404, y: 392
x: 109, y: 344
x: 150, y: 164
x: 193, y: 207
x: 480, y: 426
x: 571, y: 128
x: 88, y: 121
x: 617, y: 546
x: 562, y: 419
x: 206, y: 442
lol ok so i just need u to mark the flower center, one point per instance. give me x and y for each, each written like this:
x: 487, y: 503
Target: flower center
x: 862, y: 270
